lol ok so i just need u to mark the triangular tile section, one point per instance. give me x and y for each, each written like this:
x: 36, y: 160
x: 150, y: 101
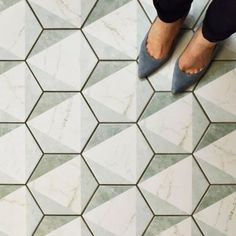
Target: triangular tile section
x: 48, y: 163
x: 173, y: 225
x: 50, y: 223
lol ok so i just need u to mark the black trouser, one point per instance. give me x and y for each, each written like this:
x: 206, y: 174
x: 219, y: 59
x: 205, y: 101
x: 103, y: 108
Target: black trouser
x: 219, y: 22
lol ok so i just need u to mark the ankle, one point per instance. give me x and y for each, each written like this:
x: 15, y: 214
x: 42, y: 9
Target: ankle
x: 172, y: 24
x: 205, y: 42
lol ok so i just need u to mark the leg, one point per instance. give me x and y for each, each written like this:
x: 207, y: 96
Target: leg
x: 219, y: 24
x: 220, y: 20
x: 165, y: 28
x: 171, y: 10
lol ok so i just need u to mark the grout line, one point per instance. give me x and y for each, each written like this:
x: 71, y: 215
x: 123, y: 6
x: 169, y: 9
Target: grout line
x: 34, y: 199
x: 148, y: 205
x: 36, y: 41
x: 199, y: 228
x: 32, y: 10
x: 200, y: 200
x: 148, y: 225
x: 35, y: 230
x: 87, y: 225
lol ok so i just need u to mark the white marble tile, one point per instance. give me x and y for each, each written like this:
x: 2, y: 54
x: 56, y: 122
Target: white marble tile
x: 228, y: 50
x: 120, y: 158
x: 173, y: 185
x: 19, y: 91
x: 220, y: 216
x: 17, y: 36
x: 19, y: 154
x: 19, y: 214
x: 119, y: 93
x: 170, y: 133
x: 62, y: 60
x: 220, y: 154
x: 62, y: 14
x: 173, y: 190
x: 218, y: 97
x: 117, y: 32
x: 107, y: 219
x: 62, y: 122
x: 63, y: 189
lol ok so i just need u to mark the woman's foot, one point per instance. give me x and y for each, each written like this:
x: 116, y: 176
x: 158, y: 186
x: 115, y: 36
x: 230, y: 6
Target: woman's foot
x: 197, y: 54
x: 161, y: 36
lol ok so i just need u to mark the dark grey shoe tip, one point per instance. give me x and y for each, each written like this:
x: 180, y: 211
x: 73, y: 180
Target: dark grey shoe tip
x: 182, y: 81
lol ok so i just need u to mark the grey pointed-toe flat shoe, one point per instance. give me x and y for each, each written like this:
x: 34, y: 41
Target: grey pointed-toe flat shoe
x: 147, y: 63
x: 182, y: 81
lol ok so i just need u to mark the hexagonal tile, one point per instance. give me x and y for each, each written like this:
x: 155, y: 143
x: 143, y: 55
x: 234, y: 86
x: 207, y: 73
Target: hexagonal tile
x: 19, y: 214
x: 217, y: 91
x: 115, y: 93
x: 20, y: 91
x: 117, y: 210
x: 117, y: 153
x: 17, y: 36
x: 62, y: 184
x: 19, y: 153
x: 62, y: 14
x: 62, y: 122
x: 216, y: 153
x: 173, y: 124
x: 173, y: 184
x: 62, y: 60
x: 115, y: 29
x: 216, y: 213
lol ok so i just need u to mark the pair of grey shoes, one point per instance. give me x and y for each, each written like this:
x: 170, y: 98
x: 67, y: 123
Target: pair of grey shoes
x: 181, y: 80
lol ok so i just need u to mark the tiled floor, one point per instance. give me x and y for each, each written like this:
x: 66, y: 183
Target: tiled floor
x: 88, y: 148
